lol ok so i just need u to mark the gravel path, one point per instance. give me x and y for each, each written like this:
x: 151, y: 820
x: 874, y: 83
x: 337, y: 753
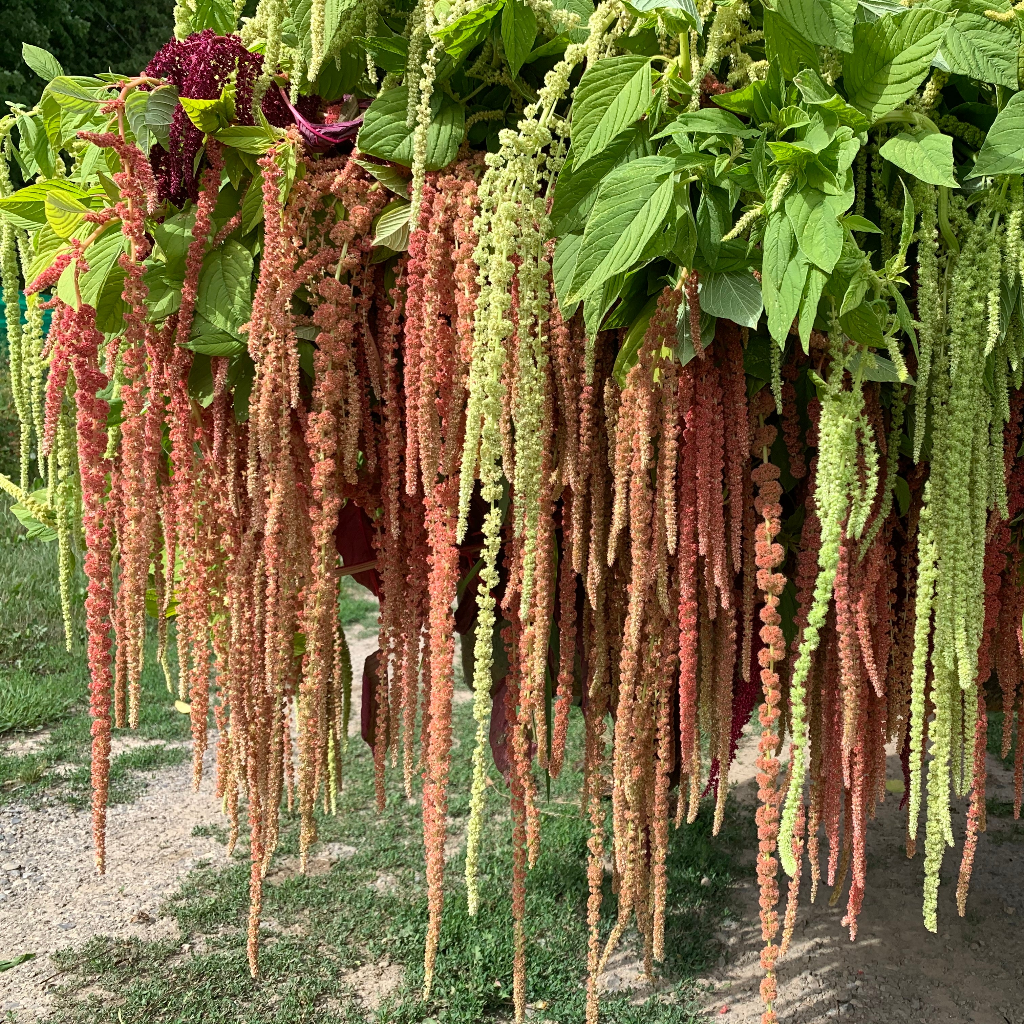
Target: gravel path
x: 51, y: 896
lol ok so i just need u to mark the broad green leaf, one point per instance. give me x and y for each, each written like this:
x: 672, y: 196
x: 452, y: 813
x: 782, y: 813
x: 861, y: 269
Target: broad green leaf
x: 817, y: 93
x: 628, y: 352
x: 225, y: 287
x: 135, y: 109
x: 35, y: 145
x: 216, y: 14
x: 252, y: 203
x: 685, y: 7
x: 825, y: 22
x: 518, y: 31
x: 787, y: 46
x: 778, y: 246
x: 583, y: 9
x: 41, y: 61
x: 211, y: 116
x: 160, y: 112
x: 386, y: 135
x: 388, y: 52
x: 783, y: 304
x: 982, y: 49
x: 598, y: 302
x: 631, y: 206
x: 254, y: 141
x: 74, y: 96
x: 612, y: 95
x: 576, y: 190
x: 902, y: 489
x: 862, y: 325
x: 855, y: 222
x: 164, y: 296
x: 818, y: 233
x: 928, y: 156
x: 734, y: 296
x: 563, y: 267
x: 871, y: 366
x: 26, y: 208
x: 809, y: 305
x: 711, y: 121
x: 893, y: 56
x: 467, y: 31
x: 1003, y: 149
x: 390, y: 177
x: 392, y: 226
x: 102, y: 257
x: 64, y: 213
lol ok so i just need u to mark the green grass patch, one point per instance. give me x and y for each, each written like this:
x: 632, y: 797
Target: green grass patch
x: 357, y: 606
x: 371, y: 908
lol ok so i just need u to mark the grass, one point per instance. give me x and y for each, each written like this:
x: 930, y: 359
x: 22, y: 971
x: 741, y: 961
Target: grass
x: 357, y: 606
x: 44, y: 686
x: 371, y: 909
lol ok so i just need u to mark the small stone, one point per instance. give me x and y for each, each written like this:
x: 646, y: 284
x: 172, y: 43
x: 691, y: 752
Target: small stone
x: 1009, y: 910
x: 705, y: 881
x: 10, y: 866
x: 65, y: 925
x: 974, y: 945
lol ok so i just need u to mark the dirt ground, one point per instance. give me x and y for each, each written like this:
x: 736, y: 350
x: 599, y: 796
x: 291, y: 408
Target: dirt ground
x: 972, y: 972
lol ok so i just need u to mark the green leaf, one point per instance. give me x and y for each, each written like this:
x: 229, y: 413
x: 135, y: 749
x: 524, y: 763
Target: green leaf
x: 26, y: 208
x: 252, y: 203
x: 786, y: 46
x: 893, y: 56
x: 392, y: 226
x: 584, y: 9
x: 783, y: 304
x: 518, y: 31
x: 71, y: 95
x: 576, y: 190
x: 818, y: 233
x: 809, y: 304
x: 855, y: 222
x: 216, y: 14
x: 928, y: 156
x: 35, y: 145
x: 255, y: 141
x: 902, y: 489
x: 388, y: 52
x: 825, y: 22
x: 390, y: 177
x: 41, y: 61
x: 211, y: 116
x: 102, y: 257
x: 469, y: 30
x: 563, y: 267
x: 135, y: 109
x: 612, y: 95
x: 160, y: 112
x: 712, y: 121
x: 626, y: 357
x: 816, y: 92
x: 862, y: 325
x: 907, y: 228
x: 734, y: 296
x: 631, y: 206
x: 225, y: 287
x: 598, y: 302
x: 872, y: 366
x: 1003, y: 149
x: 982, y: 49
x: 386, y: 135
x: 64, y: 213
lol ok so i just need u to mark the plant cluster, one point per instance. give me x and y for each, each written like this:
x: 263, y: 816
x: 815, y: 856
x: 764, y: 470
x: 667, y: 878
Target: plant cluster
x: 663, y: 353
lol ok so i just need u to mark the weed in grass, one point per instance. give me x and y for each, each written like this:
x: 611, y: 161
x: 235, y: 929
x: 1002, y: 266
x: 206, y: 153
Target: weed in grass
x: 371, y: 909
